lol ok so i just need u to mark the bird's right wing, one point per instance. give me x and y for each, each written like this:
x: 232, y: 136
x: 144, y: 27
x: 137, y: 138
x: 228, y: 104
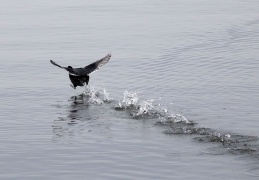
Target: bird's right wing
x: 96, y: 65
x: 55, y: 64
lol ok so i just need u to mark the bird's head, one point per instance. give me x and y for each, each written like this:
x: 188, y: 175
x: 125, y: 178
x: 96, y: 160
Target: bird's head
x: 69, y: 67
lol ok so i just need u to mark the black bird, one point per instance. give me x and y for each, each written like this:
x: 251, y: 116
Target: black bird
x: 80, y: 76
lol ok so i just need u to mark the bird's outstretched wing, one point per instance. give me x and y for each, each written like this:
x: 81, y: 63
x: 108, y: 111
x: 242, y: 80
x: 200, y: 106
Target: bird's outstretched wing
x: 55, y: 64
x: 71, y: 71
x: 96, y: 65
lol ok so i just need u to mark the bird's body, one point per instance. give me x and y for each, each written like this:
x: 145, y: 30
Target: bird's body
x: 80, y: 76
x: 79, y: 80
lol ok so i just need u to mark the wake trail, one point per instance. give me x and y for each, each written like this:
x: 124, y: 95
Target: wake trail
x: 140, y: 108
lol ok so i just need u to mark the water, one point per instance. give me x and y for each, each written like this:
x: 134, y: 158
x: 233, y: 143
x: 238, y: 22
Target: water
x: 178, y: 99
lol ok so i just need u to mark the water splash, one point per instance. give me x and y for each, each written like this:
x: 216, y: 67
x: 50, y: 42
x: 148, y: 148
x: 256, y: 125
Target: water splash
x: 95, y: 96
x: 106, y: 98
x: 174, y: 119
x: 130, y: 99
x: 139, y: 107
x: 136, y: 106
x: 92, y: 95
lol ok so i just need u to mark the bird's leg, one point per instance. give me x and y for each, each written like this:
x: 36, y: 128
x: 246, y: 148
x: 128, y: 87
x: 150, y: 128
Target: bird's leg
x: 86, y: 87
x: 72, y: 86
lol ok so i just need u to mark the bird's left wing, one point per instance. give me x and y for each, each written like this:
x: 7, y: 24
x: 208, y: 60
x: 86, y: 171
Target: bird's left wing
x: 96, y: 65
x: 71, y: 71
x: 55, y: 64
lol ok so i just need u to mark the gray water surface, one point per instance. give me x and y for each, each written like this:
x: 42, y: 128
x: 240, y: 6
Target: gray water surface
x: 178, y: 100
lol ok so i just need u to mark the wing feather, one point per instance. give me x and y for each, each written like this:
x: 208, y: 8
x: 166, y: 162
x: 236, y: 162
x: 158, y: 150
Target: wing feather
x: 55, y: 64
x: 71, y: 71
x: 96, y: 65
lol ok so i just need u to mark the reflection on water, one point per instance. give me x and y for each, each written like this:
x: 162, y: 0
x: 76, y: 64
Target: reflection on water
x: 83, y: 113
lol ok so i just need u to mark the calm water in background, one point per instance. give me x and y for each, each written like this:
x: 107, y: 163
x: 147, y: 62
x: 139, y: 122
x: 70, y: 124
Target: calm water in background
x: 195, y: 58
